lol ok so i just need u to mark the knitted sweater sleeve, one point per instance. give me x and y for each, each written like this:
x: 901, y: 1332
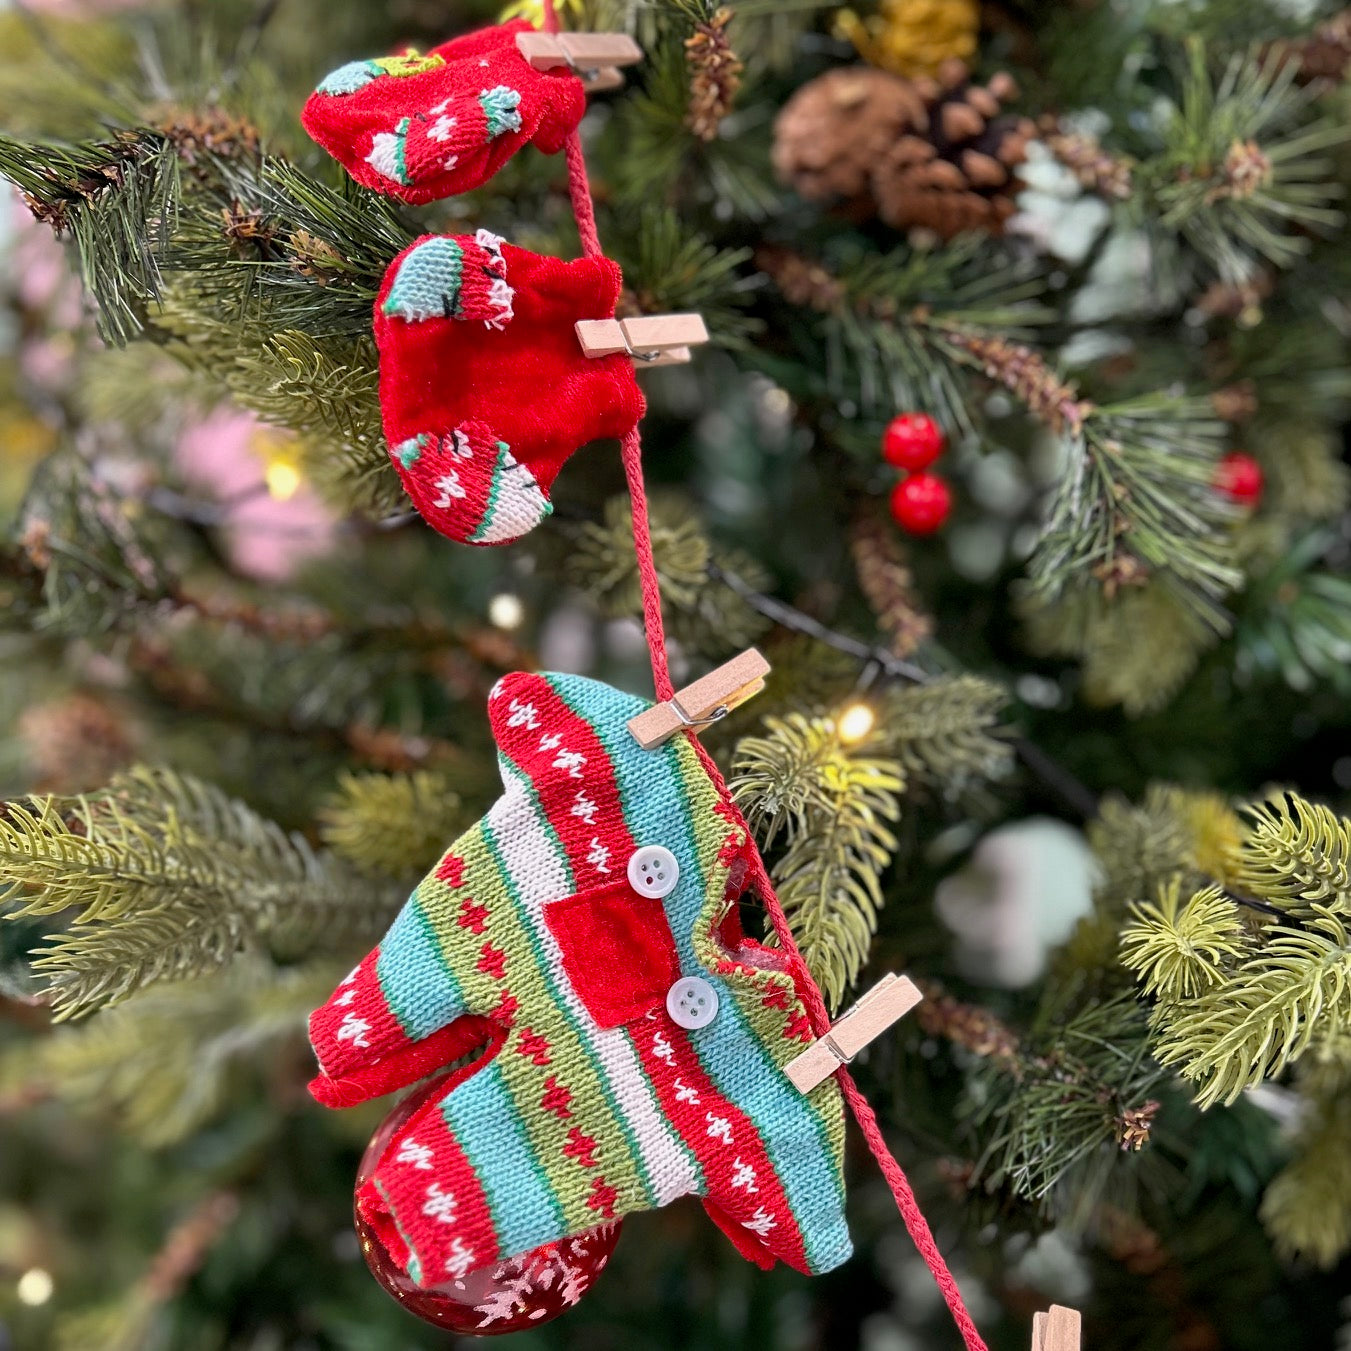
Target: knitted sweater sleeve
x: 408, y: 1008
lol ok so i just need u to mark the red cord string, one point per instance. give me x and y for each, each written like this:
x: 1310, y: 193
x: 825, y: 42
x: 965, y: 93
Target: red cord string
x: 631, y: 451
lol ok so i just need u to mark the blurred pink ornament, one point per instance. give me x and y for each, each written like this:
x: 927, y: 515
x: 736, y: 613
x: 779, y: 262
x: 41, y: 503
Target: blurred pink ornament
x: 273, y: 521
x: 43, y: 278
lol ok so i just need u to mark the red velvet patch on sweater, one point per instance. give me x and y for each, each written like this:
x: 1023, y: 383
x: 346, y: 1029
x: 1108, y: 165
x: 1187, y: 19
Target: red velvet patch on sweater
x: 617, y: 951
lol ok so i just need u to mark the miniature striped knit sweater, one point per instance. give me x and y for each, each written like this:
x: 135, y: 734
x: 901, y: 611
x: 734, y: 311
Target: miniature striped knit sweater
x: 589, y: 1100
x: 426, y: 127
x: 484, y: 389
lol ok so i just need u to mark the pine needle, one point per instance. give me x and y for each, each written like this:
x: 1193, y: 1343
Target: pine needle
x: 168, y: 877
x: 831, y: 804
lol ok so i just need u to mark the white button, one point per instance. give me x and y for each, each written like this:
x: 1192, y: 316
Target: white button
x: 692, y: 1002
x: 653, y: 871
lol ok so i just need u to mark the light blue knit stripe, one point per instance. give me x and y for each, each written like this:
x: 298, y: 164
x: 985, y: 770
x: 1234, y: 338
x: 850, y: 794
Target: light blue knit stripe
x: 349, y: 78
x: 427, y: 284
x: 657, y: 810
x: 418, y: 985
x: 481, y: 1115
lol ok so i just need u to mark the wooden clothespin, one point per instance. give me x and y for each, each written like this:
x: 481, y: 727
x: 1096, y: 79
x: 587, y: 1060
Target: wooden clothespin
x: 710, y: 698
x: 886, y: 1003
x: 653, y: 339
x: 596, y: 57
x: 1056, y: 1330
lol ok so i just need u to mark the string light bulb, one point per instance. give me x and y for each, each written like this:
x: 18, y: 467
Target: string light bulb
x: 35, y: 1287
x: 855, y: 723
x: 281, y: 464
x: 506, y: 611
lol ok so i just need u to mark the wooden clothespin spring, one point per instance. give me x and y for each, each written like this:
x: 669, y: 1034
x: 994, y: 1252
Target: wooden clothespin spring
x: 654, y: 339
x: 1056, y: 1330
x: 706, y: 701
x: 886, y: 1003
x: 595, y: 57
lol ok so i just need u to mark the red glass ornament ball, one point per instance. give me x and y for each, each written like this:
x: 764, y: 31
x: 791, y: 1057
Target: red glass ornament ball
x: 1239, y: 477
x: 921, y: 504
x: 912, y: 441
x: 509, y: 1296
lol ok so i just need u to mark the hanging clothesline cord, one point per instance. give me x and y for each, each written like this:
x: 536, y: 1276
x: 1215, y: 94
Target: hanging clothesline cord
x: 631, y: 452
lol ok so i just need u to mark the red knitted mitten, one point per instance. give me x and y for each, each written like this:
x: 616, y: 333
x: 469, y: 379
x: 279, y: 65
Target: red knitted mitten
x: 426, y: 127
x: 483, y: 385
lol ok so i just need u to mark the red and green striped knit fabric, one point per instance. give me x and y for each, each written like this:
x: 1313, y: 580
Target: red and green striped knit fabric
x: 588, y: 1100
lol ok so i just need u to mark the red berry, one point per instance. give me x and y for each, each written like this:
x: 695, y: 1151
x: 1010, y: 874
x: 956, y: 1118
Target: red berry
x: 1239, y: 477
x: 920, y: 504
x: 912, y: 441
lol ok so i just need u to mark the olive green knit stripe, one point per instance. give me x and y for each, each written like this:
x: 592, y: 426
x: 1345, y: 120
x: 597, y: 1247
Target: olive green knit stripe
x: 543, y: 1010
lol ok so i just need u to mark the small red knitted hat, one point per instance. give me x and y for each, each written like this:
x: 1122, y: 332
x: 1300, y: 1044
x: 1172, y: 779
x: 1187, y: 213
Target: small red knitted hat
x: 484, y: 388
x: 426, y: 127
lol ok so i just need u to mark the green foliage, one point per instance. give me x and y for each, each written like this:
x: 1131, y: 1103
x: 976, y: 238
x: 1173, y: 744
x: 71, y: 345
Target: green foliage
x: 1291, y: 994
x: 102, y: 562
x: 945, y: 732
x: 1307, y: 1206
x: 1136, y: 499
x: 1296, y: 855
x: 393, y: 825
x: 698, y: 609
x: 1178, y: 951
x: 170, y: 879
x: 163, y: 1063
x: 1296, y: 619
x: 1236, y: 1005
x: 1139, y: 846
x: 831, y: 803
x: 1137, y: 649
x: 1306, y: 476
x: 669, y: 270
x: 887, y: 338
x: 1059, y: 1108
x: 58, y: 77
x: 119, y: 201
x: 1238, y: 177
x: 664, y: 158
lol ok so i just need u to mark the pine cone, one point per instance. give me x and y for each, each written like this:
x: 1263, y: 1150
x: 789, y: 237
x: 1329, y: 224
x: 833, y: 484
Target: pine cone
x: 929, y: 153
x: 831, y: 134
x: 1325, y: 54
x: 75, y: 743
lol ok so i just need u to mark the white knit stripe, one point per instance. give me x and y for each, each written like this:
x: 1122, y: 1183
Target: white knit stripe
x: 535, y: 859
x: 516, y: 502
